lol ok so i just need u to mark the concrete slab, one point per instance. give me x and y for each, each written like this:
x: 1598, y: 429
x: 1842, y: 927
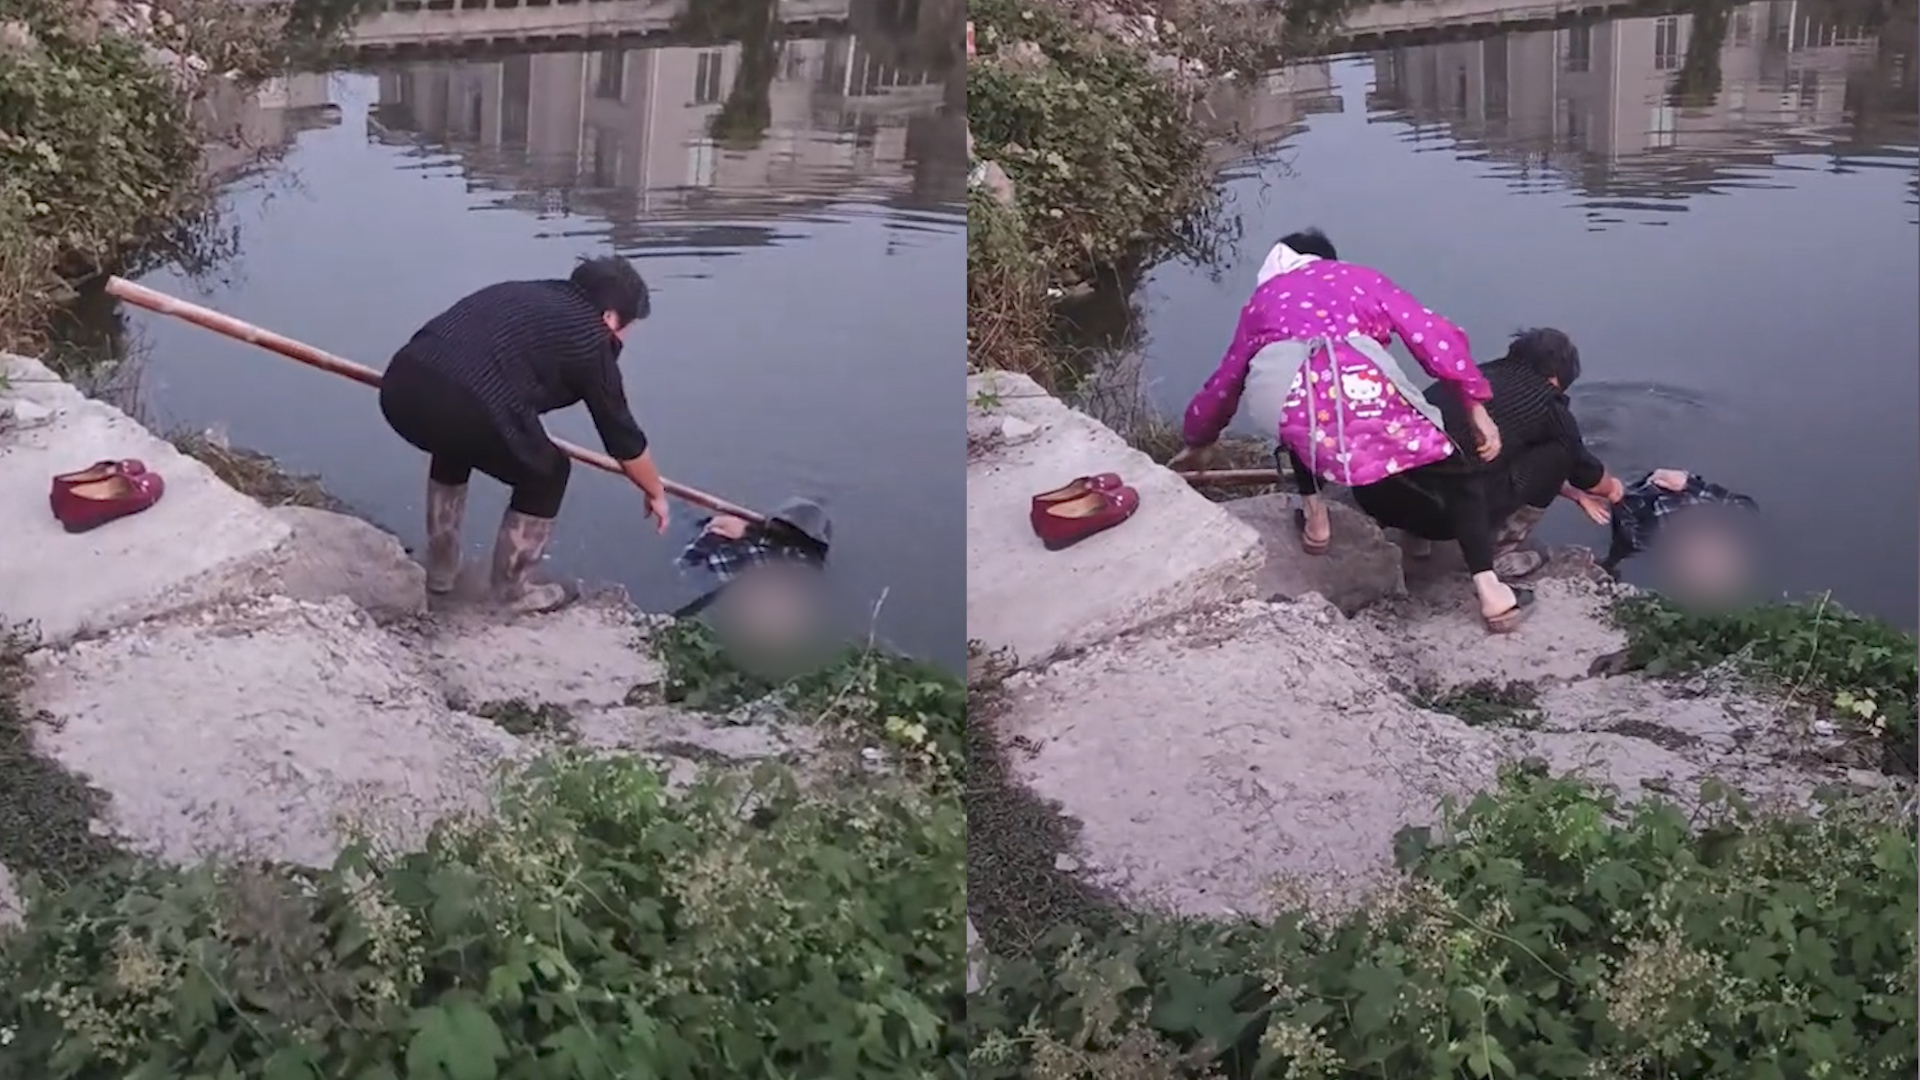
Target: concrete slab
x: 1361, y: 566
x: 588, y: 655
x: 203, y: 541
x: 333, y: 554
x: 255, y: 728
x: 1178, y: 553
x: 1211, y: 756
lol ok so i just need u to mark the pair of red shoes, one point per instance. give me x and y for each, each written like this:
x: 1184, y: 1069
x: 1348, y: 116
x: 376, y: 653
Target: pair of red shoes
x: 104, y: 491
x: 1067, y: 515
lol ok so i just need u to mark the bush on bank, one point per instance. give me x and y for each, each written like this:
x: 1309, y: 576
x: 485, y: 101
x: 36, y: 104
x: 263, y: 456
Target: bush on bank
x: 99, y: 149
x: 597, y: 927
x: 1555, y: 935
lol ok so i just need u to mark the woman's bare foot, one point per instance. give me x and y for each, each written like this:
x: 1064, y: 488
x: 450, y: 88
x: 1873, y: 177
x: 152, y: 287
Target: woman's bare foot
x: 1318, y: 529
x: 1501, y: 607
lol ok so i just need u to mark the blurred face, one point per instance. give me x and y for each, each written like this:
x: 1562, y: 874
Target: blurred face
x: 614, y: 326
x: 1705, y: 561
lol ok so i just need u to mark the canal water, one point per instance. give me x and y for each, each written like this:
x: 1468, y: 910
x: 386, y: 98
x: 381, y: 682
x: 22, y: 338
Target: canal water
x: 796, y: 204
x: 1725, y: 225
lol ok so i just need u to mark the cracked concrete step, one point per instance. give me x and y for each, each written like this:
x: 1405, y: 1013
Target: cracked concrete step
x: 1178, y: 553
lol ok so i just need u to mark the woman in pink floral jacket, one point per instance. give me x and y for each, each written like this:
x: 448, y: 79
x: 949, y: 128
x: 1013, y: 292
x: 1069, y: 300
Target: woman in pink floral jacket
x: 1309, y: 363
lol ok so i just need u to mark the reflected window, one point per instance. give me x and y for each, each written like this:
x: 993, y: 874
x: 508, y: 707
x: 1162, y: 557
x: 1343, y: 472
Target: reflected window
x: 1660, y: 128
x: 602, y: 153
x: 610, y: 83
x: 516, y: 101
x: 1579, y: 55
x: 1493, y: 67
x: 1666, y: 43
x: 706, y: 77
x: 1573, y: 123
x: 1742, y: 27
x: 703, y: 162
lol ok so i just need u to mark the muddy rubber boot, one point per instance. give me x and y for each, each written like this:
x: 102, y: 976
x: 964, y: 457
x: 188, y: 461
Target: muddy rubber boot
x: 516, y: 553
x: 446, y: 506
x: 1511, y: 557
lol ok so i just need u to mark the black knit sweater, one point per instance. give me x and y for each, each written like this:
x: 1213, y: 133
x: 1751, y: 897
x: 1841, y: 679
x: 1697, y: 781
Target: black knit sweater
x: 523, y: 348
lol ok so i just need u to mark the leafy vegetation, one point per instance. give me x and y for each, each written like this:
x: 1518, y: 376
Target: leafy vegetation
x: 1860, y: 673
x: 1555, y: 934
x: 99, y: 151
x: 597, y: 926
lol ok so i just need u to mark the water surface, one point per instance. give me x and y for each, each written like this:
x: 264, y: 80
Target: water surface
x: 1728, y: 233
x: 795, y: 203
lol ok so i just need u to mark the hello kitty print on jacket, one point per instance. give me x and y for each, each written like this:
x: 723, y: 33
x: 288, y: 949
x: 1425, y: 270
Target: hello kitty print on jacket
x: 1365, y: 430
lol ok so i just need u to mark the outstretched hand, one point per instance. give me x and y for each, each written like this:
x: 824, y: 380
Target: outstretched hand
x: 658, y: 511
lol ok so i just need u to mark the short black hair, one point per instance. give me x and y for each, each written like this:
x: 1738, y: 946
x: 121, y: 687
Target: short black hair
x: 1548, y: 353
x: 1310, y: 242
x: 613, y: 285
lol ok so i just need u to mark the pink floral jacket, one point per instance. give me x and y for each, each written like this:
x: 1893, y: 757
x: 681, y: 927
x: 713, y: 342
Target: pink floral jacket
x: 1348, y: 412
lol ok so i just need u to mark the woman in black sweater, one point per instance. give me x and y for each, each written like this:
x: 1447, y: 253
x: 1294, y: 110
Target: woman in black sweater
x: 469, y: 390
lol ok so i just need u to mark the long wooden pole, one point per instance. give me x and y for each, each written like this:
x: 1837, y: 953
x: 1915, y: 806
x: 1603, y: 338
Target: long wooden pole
x: 1231, y: 477
x: 207, y: 318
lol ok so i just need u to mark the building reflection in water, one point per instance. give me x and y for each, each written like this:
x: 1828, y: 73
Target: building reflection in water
x: 1648, y: 110
x: 633, y: 133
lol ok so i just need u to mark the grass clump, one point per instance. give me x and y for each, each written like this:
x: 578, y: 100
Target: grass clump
x: 598, y: 927
x: 254, y: 474
x: 1557, y: 934
x: 1860, y: 673
x: 520, y: 717
x: 46, y: 813
x: 1484, y: 703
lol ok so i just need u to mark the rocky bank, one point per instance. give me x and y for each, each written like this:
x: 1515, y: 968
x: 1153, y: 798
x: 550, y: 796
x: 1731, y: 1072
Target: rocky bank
x: 1218, y: 712
x: 239, y: 680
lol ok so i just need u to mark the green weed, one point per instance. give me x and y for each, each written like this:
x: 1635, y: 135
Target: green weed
x: 1858, y: 672
x: 915, y: 707
x: 599, y: 927
x: 1559, y: 935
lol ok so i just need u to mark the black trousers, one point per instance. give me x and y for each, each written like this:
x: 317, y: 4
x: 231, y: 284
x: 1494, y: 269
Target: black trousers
x: 442, y: 418
x: 1444, y: 501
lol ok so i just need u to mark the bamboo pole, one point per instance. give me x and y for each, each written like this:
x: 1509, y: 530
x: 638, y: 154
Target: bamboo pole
x: 209, y: 319
x: 1231, y: 477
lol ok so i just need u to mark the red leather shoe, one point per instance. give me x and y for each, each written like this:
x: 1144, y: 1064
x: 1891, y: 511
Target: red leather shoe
x: 85, y: 506
x: 1064, y: 524
x: 1105, y: 481
x: 101, y: 470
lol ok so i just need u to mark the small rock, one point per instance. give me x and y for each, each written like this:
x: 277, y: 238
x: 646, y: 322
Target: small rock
x: 1822, y: 727
x: 1014, y: 429
x: 1066, y: 864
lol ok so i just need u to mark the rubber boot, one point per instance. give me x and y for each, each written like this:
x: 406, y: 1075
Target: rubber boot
x: 446, y: 506
x: 516, y: 553
x: 1510, y: 557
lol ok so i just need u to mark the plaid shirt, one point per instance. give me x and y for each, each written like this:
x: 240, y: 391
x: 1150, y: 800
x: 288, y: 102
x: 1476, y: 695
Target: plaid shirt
x: 1646, y: 506
x: 726, y: 558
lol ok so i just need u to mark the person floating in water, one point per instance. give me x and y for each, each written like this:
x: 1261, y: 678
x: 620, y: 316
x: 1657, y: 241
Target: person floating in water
x: 767, y: 575
x: 1698, y: 525
x: 469, y: 389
